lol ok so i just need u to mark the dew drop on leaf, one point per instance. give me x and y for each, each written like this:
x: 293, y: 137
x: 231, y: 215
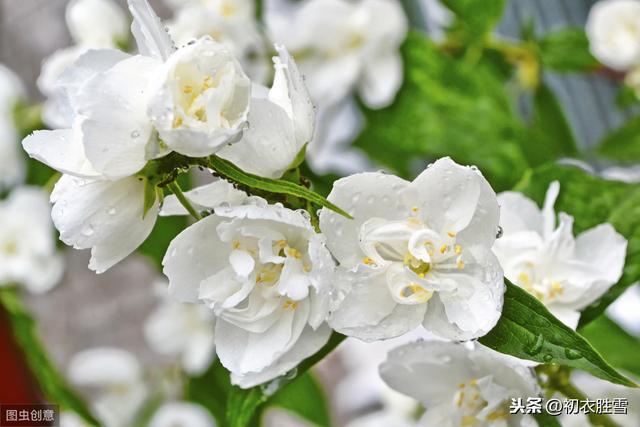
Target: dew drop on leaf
x: 572, y: 354
x: 536, y: 346
x: 547, y: 358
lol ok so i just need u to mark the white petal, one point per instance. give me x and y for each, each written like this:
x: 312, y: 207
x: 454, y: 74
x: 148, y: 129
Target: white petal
x: 455, y: 198
x: 519, y: 213
x: 151, y: 36
x: 381, y: 80
x: 475, y: 306
x: 175, y: 414
x: 241, y: 262
x: 60, y: 149
x: 309, y: 343
x: 241, y: 351
x: 368, y: 312
x: 106, y: 216
x: 115, y: 128
x: 548, y: 213
x: 205, y: 197
x: 104, y: 366
x: 186, y: 271
x: 364, y: 196
x: 269, y: 146
x: 289, y: 91
x: 96, y: 22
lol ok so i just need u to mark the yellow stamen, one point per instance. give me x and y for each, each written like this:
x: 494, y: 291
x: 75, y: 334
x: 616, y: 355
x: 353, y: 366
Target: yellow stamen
x: 468, y: 420
x: 421, y: 294
x: 290, y: 304
x: 177, y: 122
x: 368, y: 261
x: 498, y: 414
x: 460, y: 264
x: 187, y: 89
x: 457, y: 249
x: 451, y: 233
x: 443, y: 249
x: 292, y: 252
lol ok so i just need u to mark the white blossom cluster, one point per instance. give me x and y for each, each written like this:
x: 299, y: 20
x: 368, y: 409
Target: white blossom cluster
x: 262, y: 286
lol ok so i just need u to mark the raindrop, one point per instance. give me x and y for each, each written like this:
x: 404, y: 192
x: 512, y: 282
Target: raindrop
x: 499, y: 233
x: 88, y: 230
x: 536, y: 346
x: 572, y: 354
x: 135, y: 134
x: 112, y: 211
x: 547, y: 358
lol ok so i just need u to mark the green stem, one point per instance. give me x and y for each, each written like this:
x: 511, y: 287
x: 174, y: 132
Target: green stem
x: 559, y: 381
x: 175, y: 189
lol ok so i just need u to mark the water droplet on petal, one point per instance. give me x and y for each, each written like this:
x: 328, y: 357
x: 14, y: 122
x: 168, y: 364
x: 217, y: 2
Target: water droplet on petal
x: 499, y: 233
x: 87, y: 230
x: 112, y: 211
x: 135, y: 134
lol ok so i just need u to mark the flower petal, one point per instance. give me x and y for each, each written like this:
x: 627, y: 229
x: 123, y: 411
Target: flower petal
x: 60, y: 149
x: 113, y: 119
x: 518, y: 213
x: 151, y: 36
x: 364, y: 196
x: 106, y: 216
x: 186, y: 271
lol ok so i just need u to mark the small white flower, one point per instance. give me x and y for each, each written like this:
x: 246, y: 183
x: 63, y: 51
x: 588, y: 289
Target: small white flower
x: 282, y: 122
x: 27, y: 247
x: 415, y: 253
x: 460, y: 385
x: 613, y: 28
x: 358, y: 49
x: 202, y: 100
x: 230, y: 22
x: 182, y: 329
x: 97, y: 23
x: 12, y: 166
x: 182, y: 414
x: 265, y: 273
x: 565, y: 273
x: 110, y: 95
x: 117, y: 377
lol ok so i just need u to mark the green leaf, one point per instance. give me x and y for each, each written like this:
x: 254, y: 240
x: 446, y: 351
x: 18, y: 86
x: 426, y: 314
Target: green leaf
x: 592, y: 201
x: 623, y: 144
x: 476, y: 17
x: 447, y: 108
x: 233, y: 173
x: 567, y: 50
x: 614, y: 343
x: 527, y: 330
x: 551, y: 136
x: 305, y: 398
x: 211, y: 390
x: 51, y: 382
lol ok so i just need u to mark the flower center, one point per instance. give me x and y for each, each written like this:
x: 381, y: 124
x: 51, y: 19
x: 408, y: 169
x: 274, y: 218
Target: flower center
x: 9, y: 248
x: 469, y: 401
x: 543, y: 288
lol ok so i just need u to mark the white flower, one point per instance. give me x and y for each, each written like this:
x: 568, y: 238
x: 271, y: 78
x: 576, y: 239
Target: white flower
x: 27, y: 247
x: 565, y: 273
x: 460, y: 385
x: 97, y: 23
x: 282, y: 122
x: 181, y: 414
x: 265, y: 273
x: 613, y: 29
x: 383, y: 418
x: 415, y: 253
x: 358, y: 48
x: 12, y: 166
x: 184, y: 330
x: 70, y: 419
x: 117, y: 376
x: 230, y: 22
x: 99, y: 200
x: 203, y: 98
